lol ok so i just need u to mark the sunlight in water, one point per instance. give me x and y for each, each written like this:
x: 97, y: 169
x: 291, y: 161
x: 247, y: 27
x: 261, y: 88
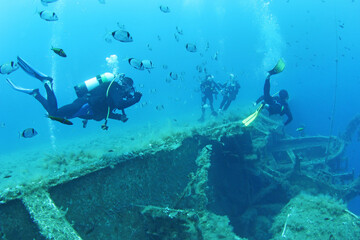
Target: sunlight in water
x: 55, y: 42
x: 272, y: 41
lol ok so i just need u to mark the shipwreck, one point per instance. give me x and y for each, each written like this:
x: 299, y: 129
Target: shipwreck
x: 217, y: 180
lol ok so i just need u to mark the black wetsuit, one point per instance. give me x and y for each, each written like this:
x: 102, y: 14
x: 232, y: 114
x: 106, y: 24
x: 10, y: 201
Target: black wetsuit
x: 229, y: 94
x: 94, y: 105
x: 208, y: 88
x: 276, y: 104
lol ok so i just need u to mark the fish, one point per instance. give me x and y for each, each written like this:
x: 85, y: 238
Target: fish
x: 8, y: 68
x: 179, y: 30
x: 135, y: 63
x: 207, y: 46
x: 160, y: 107
x: 216, y: 55
x: 45, y: 2
x: 122, y: 36
x: 48, y: 16
x: 191, y: 47
x: 300, y: 129
x: 59, y: 51
x: 2, y: 125
x: 149, y: 47
x: 152, y: 90
x: 102, y: 1
x: 59, y: 119
x: 176, y: 37
x: 28, y: 133
x: 174, y: 76
x: 164, y: 9
x: 199, y: 68
x: 165, y: 67
x: 147, y: 64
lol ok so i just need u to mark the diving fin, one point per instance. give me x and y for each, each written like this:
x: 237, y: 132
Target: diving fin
x: 23, y: 90
x: 33, y: 72
x: 279, y: 67
x: 247, y: 121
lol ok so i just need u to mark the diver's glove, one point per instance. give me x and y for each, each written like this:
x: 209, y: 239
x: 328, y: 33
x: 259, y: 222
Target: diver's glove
x: 137, y: 96
x: 105, y: 126
x: 124, y: 118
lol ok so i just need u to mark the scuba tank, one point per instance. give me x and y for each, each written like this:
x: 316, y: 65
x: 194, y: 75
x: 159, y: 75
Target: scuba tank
x: 92, y: 83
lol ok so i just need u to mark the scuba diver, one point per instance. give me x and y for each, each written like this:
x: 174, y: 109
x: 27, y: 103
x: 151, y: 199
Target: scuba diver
x: 229, y: 92
x: 274, y: 104
x: 208, y: 88
x: 98, y: 98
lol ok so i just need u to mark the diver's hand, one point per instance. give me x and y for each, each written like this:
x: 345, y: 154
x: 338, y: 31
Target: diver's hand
x: 123, y: 118
x: 137, y: 96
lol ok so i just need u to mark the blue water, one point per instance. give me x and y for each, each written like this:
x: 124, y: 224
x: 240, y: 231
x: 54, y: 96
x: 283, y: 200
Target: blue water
x: 249, y: 35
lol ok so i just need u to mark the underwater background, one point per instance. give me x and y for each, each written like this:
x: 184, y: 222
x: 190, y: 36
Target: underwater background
x: 248, y: 37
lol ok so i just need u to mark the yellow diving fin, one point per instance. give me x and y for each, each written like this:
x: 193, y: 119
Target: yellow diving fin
x: 278, y: 68
x: 247, y: 121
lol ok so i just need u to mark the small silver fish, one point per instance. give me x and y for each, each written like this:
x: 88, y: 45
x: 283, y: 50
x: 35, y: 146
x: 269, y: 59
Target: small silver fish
x: 216, y: 55
x: 174, y: 76
x: 191, y: 47
x: 179, y: 30
x: 122, y: 36
x: 135, y: 63
x: 164, y: 9
x: 160, y: 107
x: 176, y: 37
x: 45, y: 2
x: 8, y: 68
x: 28, y: 133
x: 147, y: 64
x: 48, y: 16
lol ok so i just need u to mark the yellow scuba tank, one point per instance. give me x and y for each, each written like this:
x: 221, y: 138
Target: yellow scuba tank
x: 92, y: 83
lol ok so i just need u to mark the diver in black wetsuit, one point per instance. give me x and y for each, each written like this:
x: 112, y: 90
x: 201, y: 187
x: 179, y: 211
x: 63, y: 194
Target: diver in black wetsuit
x: 277, y: 104
x: 208, y: 88
x: 100, y: 103
x: 229, y: 93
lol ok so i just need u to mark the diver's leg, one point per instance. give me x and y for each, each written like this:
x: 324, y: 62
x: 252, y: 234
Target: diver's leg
x: 33, y: 72
x: 228, y: 102
x: 51, y: 98
x: 203, y: 102
x: 50, y: 104
x: 267, y: 96
x: 211, y: 101
x: 223, y: 102
x: 69, y: 111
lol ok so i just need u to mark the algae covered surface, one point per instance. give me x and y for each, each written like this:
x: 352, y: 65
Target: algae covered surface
x: 315, y: 217
x: 214, y: 180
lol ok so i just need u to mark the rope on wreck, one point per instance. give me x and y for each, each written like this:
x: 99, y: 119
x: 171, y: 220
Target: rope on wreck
x: 335, y: 91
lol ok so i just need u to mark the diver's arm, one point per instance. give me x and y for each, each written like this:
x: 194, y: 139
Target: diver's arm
x: 260, y: 99
x: 118, y: 116
x: 130, y: 101
x: 289, y: 115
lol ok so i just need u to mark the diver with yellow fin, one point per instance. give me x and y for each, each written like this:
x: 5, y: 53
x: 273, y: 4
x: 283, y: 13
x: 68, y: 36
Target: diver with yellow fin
x: 98, y: 98
x: 274, y: 104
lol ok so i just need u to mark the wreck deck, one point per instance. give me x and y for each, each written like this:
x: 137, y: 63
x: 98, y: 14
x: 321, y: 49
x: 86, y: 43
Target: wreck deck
x: 125, y: 193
